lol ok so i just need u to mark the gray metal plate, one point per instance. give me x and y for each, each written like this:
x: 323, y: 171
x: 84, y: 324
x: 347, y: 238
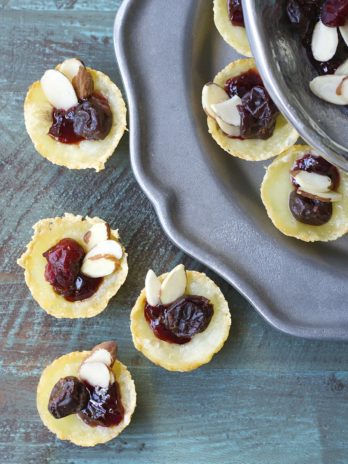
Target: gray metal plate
x: 208, y: 202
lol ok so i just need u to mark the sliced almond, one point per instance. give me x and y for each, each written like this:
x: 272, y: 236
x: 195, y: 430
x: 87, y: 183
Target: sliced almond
x: 152, y: 288
x: 325, y: 197
x: 98, y: 267
x: 108, y: 248
x: 83, y: 83
x: 174, y: 285
x: 313, y: 182
x: 211, y: 95
x: 228, y: 111
x: 70, y: 67
x: 228, y: 129
x: 104, y: 352
x: 342, y: 70
x: 344, y: 32
x: 325, y: 87
x: 324, y: 42
x: 97, y: 374
x: 98, y: 233
x: 58, y: 90
x: 110, y: 346
x: 102, y: 260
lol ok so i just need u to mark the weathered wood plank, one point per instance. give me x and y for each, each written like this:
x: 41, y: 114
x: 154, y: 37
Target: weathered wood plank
x: 54, y: 5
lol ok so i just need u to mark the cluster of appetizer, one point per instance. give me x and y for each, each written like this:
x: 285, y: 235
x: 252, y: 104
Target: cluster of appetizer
x: 304, y: 194
x: 323, y: 28
x: 75, y: 116
x: 73, y: 266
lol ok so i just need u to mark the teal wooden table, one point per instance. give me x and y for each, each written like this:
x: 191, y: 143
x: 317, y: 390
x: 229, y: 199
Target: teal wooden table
x: 265, y: 398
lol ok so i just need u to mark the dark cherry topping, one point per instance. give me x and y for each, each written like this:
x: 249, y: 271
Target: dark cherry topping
x: 91, y: 119
x: 334, y: 12
x: 68, y: 396
x: 104, y: 408
x: 309, y: 211
x: 258, y: 112
x: 318, y: 165
x: 304, y: 14
x: 235, y: 12
x: 243, y: 83
x: 179, y: 321
x: 62, y: 271
x: 62, y: 128
x: 312, y: 211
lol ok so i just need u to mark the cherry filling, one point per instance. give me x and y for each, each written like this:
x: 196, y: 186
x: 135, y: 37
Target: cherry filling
x: 235, y: 12
x: 95, y: 405
x: 304, y: 14
x: 334, y: 12
x: 91, y: 119
x: 312, y: 211
x: 104, y: 407
x: 179, y: 321
x: 62, y: 271
x: 257, y: 111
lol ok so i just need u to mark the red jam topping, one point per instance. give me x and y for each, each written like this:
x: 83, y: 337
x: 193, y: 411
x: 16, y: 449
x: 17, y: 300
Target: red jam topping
x: 304, y: 14
x: 91, y: 119
x: 62, y: 271
x: 235, y: 12
x: 334, y: 12
x: 257, y: 110
x: 179, y: 321
x: 312, y: 211
x: 104, y: 408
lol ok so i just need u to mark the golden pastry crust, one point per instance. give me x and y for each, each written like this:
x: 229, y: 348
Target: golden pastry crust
x: 73, y: 428
x: 284, y: 135
x: 88, y: 153
x: 202, y: 347
x: 276, y: 188
x: 234, y: 35
x: 47, y: 233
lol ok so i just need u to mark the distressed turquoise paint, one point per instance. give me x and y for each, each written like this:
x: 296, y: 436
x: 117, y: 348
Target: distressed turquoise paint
x: 266, y: 398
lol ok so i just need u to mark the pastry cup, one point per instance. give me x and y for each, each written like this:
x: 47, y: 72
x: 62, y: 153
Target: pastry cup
x: 88, y: 153
x: 202, y: 347
x: 283, y: 137
x: 276, y: 188
x: 235, y: 36
x: 72, y: 428
x: 47, y: 233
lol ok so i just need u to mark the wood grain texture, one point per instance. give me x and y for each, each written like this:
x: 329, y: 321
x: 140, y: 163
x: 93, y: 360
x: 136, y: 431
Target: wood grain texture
x: 265, y: 398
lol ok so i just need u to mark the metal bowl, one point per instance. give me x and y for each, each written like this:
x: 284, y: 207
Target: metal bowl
x: 286, y: 71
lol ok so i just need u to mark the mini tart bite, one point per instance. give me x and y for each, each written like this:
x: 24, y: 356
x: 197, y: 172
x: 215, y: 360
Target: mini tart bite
x: 242, y: 117
x: 305, y: 196
x: 180, y: 319
x: 74, y: 265
x: 75, y: 116
x: 229, y: 21
x: 86, y: 397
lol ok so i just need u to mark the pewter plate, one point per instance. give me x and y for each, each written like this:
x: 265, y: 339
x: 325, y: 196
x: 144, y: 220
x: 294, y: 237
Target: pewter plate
x: 208, y: 202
